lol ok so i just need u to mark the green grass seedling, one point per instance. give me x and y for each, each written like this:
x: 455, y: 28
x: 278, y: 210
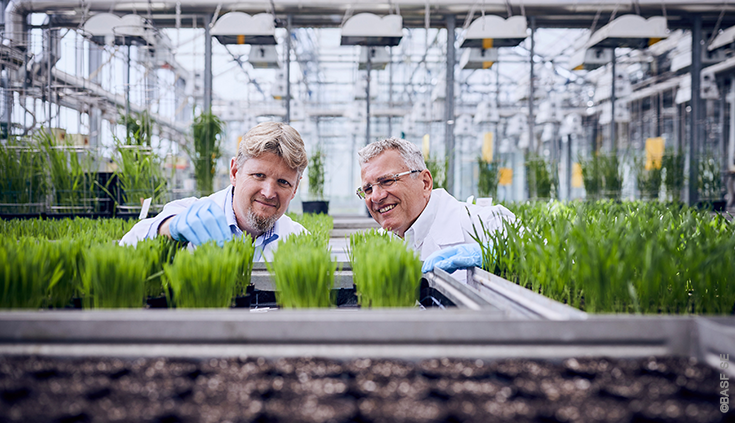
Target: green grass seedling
x: 607, y: 257
x: 204, y: 277
x: 99, y: 230
x: 386, y: 272
x: 27, y: 269
x: 114, y: 276
x: 320, y: 225
x: 243, y: 250
x: 303, y: 272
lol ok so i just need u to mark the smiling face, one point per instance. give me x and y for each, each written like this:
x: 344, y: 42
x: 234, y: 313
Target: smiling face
x: 396, y: 207
x: 263, y: 187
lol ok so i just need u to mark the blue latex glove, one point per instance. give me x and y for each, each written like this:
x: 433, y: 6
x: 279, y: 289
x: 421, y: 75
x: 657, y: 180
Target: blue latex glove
x: 452, y: 258
x: 203, y: 221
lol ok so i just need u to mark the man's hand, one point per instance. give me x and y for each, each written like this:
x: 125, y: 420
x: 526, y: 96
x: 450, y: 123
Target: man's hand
x: 452, y: 258
x: 203, y: 221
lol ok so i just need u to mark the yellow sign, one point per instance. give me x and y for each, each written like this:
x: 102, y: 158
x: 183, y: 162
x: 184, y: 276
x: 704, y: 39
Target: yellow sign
x: 487, y: 43
x: 654, y: 153
x: 506, y: 176
x: 487, y: 147
x: 577, y: 181
x: 426, y: 146
x: 487, y: 65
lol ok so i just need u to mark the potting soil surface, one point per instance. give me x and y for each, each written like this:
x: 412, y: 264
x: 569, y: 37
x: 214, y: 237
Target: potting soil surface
x: 51, y: 389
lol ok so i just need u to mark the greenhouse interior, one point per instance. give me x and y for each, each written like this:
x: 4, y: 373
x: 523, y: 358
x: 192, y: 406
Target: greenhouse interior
x: 541, y: 231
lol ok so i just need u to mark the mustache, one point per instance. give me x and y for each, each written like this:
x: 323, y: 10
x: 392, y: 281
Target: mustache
x: 271, y: 202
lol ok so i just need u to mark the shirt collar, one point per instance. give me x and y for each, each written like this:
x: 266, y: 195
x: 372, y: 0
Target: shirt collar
x: 421, y: 227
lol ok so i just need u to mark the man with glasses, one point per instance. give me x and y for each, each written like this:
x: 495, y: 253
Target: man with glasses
x: 398, y: 191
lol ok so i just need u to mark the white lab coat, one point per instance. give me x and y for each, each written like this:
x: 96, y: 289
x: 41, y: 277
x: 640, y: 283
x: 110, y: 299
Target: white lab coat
x: 264, y: 244
x: 445, y: 222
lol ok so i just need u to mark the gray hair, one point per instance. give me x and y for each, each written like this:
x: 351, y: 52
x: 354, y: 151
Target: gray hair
x: 410, y: 153
x: 277, y: 138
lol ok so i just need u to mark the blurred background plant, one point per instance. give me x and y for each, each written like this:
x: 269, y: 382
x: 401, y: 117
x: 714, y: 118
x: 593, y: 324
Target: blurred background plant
x: 488, y: 177
x: 316, y: 174
x: 140, y: 173
x: 709, y: 178
x: 538, y: 176
x: 23, y: 181
x: 71, y: 169
x: 207, y: 130
x: 438, y: 168
x: 674, y: 178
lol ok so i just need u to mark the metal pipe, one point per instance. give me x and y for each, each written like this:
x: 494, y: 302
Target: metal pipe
x: 288, y: 69
x: 16, y: 33
x: 368, y: 66
x: 390, y: 89
x: 115, y: 99
x: 694, y: 116
x: 127, y: 92
x: 207, y: 65
x: 613, y: 144
x: 531, y: 138
x: 449, y: 106
x: 48, y: 64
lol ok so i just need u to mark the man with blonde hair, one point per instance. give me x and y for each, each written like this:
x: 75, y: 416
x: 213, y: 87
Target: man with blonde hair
x: 264, y: 177
x: 398, y: 191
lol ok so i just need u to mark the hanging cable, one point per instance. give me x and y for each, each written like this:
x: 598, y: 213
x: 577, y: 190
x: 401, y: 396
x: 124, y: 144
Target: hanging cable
x: 717, y: 25
x: 508, y: 8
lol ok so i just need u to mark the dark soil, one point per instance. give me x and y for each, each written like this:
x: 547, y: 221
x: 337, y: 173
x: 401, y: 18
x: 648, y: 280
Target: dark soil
x: 44, y: 389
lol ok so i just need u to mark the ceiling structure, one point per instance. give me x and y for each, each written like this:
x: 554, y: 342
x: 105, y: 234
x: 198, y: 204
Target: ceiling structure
x: 331, y: 13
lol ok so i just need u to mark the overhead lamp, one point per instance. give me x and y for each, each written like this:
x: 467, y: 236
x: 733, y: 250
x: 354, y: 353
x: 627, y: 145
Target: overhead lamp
x: 109, y: 29
x: 241, y: 28
x: 379, y: 58
x: 590, y: 58
x: 264, y: 57
x: 368, y: 29
x: 725, y: 39
x: 478, y: 58
x: 491, y: 31
x: 631, y: 31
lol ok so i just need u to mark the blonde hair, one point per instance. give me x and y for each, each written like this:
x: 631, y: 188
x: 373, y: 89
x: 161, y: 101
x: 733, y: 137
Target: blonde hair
x: 277, y: 138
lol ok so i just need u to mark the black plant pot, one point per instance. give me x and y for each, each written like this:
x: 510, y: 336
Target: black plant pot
x: 315, y: 207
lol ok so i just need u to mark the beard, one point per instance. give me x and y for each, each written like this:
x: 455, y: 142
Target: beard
x: 260, y: 223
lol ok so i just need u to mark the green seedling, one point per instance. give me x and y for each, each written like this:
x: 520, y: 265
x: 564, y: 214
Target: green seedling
x: 303, y: 272
x: 319, y: 225
x: 114, y: 276
x: 386, y: 272
x: 28, y: 269
x: 606, y: 257
x: 204, y: 277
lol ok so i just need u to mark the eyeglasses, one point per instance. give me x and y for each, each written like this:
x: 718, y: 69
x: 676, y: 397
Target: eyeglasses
x: 384, y: 183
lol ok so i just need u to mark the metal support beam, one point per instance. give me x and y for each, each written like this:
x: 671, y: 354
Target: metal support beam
x: 390, y: 89
x: 368, y: 66
x: 207, y: 64
x: 531, y: 93
x: 127, y: 91
x: 288, y: 69
x: 613, y: 142
x: 95, y: 114
x: 449, y: 106
x: 695, y: 115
